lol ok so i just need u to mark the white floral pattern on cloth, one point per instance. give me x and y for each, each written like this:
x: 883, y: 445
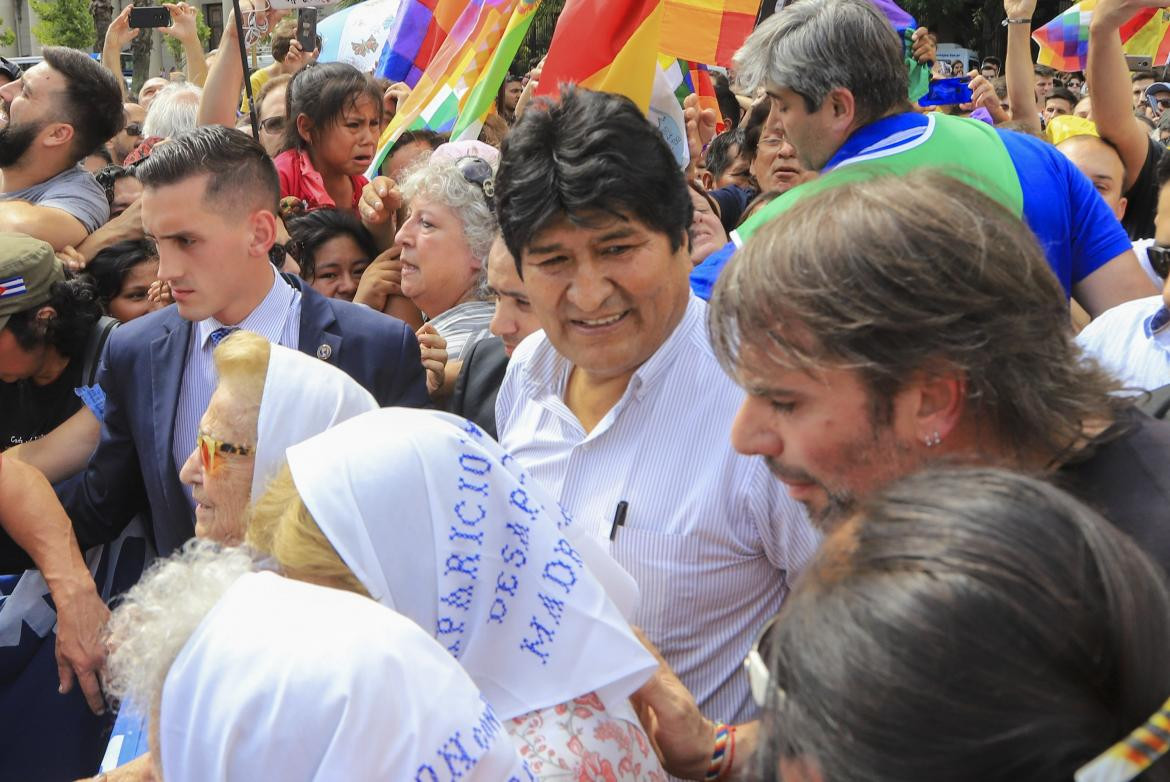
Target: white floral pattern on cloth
x: 579, y: 741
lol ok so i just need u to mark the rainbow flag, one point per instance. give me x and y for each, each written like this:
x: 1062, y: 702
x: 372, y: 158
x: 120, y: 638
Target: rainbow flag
x: 706, y: 30
x: 419, y: 31
x: 1064, y: 42
x: 689, y: 78
x: 606, y: 45
x: 464, y: 59
x: 481, y: 100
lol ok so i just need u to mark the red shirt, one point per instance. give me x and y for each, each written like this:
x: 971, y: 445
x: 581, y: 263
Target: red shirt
x: 299, y: 179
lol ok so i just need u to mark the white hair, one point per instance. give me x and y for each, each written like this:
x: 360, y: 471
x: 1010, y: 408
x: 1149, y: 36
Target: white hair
x: 440, y: 181
x: 174, y: 110
x: 159, y: 614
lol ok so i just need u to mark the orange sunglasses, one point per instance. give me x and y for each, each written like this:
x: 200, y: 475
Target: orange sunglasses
x: 210, y: 447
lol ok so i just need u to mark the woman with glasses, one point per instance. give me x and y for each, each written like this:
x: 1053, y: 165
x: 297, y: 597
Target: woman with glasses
x: 969, y: 625
x: 446, y: 238
x: 330, y: 136
x: 270, y: 113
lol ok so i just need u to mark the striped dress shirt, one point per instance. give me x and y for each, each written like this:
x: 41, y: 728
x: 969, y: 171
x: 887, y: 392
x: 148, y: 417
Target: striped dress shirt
x: 711, y: 538
x: 277, y: 318
x: 463, y: 325
x: 1132, y: 341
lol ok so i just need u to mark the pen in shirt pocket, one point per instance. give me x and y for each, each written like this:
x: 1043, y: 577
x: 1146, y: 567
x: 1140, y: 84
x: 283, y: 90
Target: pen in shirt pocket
x: 619, y: 519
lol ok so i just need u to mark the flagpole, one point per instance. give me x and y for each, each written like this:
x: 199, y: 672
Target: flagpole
x: 247, y: 75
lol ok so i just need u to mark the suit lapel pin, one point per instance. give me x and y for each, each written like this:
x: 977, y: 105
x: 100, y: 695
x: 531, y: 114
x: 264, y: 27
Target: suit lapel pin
x: 324, y: 352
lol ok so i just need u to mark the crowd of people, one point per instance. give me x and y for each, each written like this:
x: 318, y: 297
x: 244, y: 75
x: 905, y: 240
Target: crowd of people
x: 836, y: 455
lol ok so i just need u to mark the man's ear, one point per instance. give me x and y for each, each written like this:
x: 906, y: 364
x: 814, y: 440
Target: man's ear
x: 46, y: 313
x: 706, y: 179
x: 57, y: 134
x: 941, y: 398
x: 842, y: 107
x: 263, y: 232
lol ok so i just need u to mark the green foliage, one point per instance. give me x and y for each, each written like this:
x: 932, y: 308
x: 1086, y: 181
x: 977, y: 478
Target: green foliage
x: 540, y: 34
x: 7, y: 37
x: 176, y: 47
x: 64, y: 23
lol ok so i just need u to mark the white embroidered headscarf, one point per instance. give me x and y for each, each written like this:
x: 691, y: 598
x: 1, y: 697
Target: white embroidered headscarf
x: 440, y: 524
x: 288, y: 681
x: 303, y: 396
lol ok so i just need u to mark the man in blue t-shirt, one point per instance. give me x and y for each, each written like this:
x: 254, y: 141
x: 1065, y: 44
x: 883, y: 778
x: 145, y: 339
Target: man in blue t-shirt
x: 844, y: 112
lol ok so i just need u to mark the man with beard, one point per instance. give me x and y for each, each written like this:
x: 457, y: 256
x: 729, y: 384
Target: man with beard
x: 58, y: 112
x: 892, y: 324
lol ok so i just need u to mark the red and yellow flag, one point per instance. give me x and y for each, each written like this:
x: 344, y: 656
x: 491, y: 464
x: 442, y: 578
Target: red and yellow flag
x: 606, y: 45
x: 708, y: 31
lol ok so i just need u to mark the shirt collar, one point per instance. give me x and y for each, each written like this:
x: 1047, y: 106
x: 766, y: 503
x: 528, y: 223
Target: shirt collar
x: 267, y: 319
x: 873, y: 134
x: 546, y: 372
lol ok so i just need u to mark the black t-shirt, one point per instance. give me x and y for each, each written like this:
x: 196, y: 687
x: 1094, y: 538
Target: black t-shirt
x: 31, y: 411
x: 1127, y: 480
x: 1143, y: 197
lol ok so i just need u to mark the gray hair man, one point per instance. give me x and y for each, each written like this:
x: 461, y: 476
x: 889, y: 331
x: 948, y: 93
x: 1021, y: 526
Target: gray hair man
x: 835, y: 72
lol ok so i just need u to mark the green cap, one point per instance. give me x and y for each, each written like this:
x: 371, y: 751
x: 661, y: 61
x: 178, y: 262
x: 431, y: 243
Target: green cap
x: 28, y: 269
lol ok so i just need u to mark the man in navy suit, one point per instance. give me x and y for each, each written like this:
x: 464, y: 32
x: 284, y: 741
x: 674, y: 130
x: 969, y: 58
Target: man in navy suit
x: 208, y: 203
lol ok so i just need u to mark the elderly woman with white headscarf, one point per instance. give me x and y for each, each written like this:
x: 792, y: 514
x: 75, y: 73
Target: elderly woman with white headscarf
x: 429, y: 516
x: 446, y: 239
x: 250, y: 676
x: 268, y: 398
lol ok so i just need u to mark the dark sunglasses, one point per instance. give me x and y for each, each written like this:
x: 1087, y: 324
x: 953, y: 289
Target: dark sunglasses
x: 479, y: 172
x: 279, y: 253
x: 10, y: 69
x: 1159, y: 260
x: 272, y: 124
x: 133, y: 129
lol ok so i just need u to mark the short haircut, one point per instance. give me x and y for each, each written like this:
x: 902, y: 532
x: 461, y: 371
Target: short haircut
x: 728, y: 104
x: 282, y: 37
x: 754, y: 128
x: 988, y: 620
x: 895, y: 275
x: 92, y: 99
x: 588, y: 154
x: 271, y: 86
x: 1060, y: 93
x: 992, y: 61
x: 317, y: 227
x: 440, y: 181
x: 816, y: 46
x: 429, y: 137
x: 241, y: 176
x: 108, y: 269
x: 173, y: 111
x: 1137, y: 76
x: 719, y: 157
x: 1043, y: 71
x: 323, y: 93
x: 76, y: 302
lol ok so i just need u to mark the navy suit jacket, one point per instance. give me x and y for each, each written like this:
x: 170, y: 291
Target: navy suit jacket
x: 133, y: 468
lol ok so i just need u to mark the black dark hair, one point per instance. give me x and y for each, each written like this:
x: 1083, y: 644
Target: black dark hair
x: 109, y: 175
x: 76, y: 302
x: 92, y: 102
x: 991, y: 624
x: 1162, y: 172
x: 591, y: 152
x: 992, y: 61
x: 728, y: 105
x: 108, y: 269
x: 241, y: 175
x: 1063, y: 94
x: 430, y: 137
x: 1043, y: 70
x: 323, y: 92
x: 755, y: 128
x: 315, y: 228
x: 1137, y: 76
x: 719, y: 157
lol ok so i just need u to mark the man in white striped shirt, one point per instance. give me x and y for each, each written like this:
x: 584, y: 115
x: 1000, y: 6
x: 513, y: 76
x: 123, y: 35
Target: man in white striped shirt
x: 619, y: 405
